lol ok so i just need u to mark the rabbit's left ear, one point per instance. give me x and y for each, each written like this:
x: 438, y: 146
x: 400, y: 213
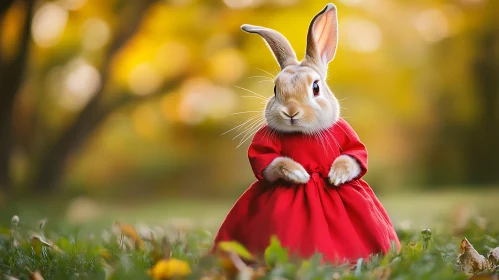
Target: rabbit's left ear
x: 322, y: 37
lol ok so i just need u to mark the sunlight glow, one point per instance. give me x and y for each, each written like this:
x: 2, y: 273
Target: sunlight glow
x: 144, y: 79
x: 351, y: 2
x: 172, y: 58
x: 48, y: 24
x: 72, y: 5
x: 361, y: 35
x: 238, y: 4
x: 81, y: 82
x: 227, y: 66
x: 146, y: 121
x: 94, y: 34
x: 201, y: 99
x: 285, y: 2
x: 432, y: 25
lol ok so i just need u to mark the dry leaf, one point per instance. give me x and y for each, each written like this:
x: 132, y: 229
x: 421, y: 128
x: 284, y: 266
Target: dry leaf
x: 228, y: 267
x: 494, y: 256
x: 36, y: 276
x: 129, y: 231
x: 37, y: 242
x: 8, y: 277
x: 470, y: 260
x: 488, y: 276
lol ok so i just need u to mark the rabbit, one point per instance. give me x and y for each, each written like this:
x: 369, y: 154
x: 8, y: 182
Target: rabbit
x: 302, y: 100
x: 313, y: 199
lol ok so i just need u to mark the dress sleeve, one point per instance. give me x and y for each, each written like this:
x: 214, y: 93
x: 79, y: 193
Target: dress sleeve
x: 262, y: 151
x: 352, y: 146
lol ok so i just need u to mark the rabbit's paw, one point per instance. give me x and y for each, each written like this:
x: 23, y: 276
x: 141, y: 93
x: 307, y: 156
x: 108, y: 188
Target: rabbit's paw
x: 344, y: 169
x: 287, y: 169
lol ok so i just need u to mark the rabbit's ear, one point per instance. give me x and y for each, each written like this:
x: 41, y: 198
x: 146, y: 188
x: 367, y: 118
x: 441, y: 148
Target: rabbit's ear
x: 278, y: 44
x: 322, y: 37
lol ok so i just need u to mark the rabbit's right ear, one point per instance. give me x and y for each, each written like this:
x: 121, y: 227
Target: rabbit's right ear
x: 322, y: 37
x: 278, y: 44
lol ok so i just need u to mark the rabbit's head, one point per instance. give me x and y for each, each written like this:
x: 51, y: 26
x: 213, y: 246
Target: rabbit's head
x: 302, y: 101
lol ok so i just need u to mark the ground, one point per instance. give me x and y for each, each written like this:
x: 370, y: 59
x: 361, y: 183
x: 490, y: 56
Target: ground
x: 80, y: 239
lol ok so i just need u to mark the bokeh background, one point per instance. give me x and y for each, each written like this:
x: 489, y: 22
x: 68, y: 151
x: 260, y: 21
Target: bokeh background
x: 117, y: 109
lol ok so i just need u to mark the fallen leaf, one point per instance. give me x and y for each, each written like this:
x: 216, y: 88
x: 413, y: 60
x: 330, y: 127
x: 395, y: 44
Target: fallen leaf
x: 483, y: 276
x: 169, y: 269
x: 105, y: 254
x: 37, y: 242
x: 36, y: 276
x: 8, y: 277
x: 235, y: 247
x: 129, y: 231
x: 470, y: 260
x: 494, y: 256
x: 228, y: 267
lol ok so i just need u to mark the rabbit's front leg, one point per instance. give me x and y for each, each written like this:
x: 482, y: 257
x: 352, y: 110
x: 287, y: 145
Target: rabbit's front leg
x: 287, y: 169
x: 344, y: 169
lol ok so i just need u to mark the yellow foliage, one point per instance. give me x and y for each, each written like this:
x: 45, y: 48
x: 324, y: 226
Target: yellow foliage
x: 129, y: 231
x: 145, y: 121
x: 169, y: 269
x: 11, y: 28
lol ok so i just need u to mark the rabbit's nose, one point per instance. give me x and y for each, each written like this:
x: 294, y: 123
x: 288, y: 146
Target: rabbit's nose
x: 289, y: 114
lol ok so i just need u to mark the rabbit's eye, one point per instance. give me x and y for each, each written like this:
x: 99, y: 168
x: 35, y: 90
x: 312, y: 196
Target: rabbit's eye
x: 275, y: 91
x: 315, y: 88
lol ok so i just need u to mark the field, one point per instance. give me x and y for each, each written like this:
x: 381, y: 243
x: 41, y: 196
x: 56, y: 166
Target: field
x: 86, y: 239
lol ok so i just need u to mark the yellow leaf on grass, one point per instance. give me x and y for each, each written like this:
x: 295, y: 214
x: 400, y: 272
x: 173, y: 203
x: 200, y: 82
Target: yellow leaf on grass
x: 37, y: 242
x: 129, y: 231
x: 228, y: 267
x: 105, y: 254
x: 239, y: 249
x: 168, y: 269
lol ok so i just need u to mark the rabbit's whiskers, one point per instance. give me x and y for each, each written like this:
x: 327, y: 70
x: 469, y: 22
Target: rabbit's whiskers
x: 250, y: 91
x: 248, y: 127
x: 245, y: 112
x: 251, y: 130
x: 271, y: 75
x: 242, y: 124
x: 251, y: 96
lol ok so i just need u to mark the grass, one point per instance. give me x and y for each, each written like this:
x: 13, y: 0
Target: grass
x: 92, y: 248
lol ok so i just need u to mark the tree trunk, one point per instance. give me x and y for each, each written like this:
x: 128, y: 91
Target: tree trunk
x: 11, y: 79
x: 482, y: 155
x: 53, y: 162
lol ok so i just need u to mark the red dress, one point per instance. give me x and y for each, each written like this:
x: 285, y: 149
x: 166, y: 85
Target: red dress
x: 342, y: 223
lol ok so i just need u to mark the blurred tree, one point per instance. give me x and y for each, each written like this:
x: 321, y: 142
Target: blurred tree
x: 464, y: 150
x: 11, y: 78
x: 424, y: 76
x: 49, y: 168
